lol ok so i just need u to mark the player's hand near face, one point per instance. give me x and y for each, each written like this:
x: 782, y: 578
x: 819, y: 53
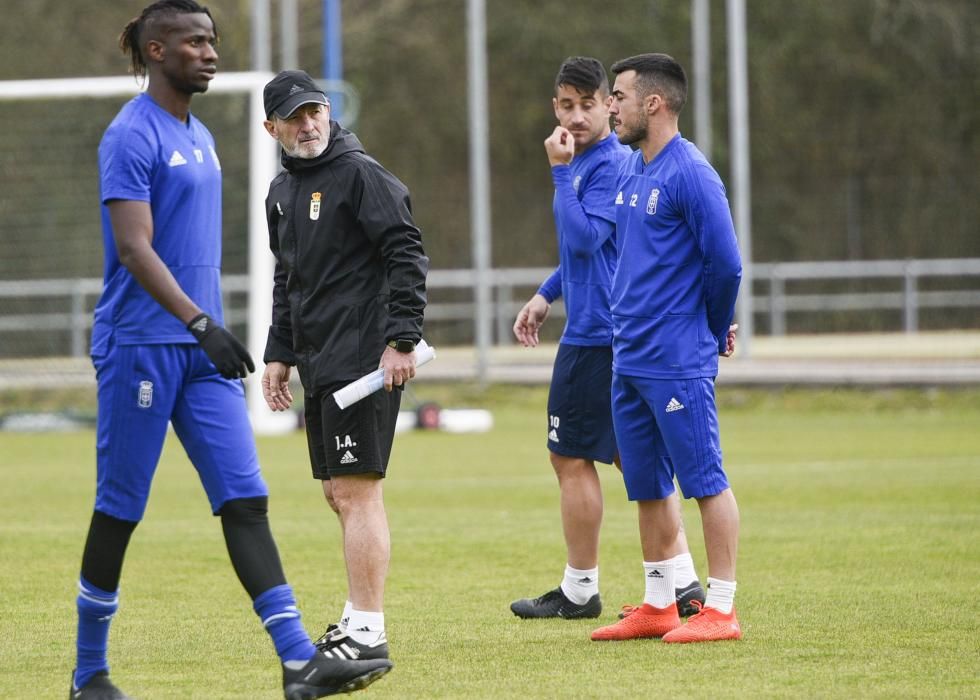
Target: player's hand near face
x: 399, y: 367
x: 529, y: 320
x: 730, y: 345
x: 560, y: 146
x: 275, y: 386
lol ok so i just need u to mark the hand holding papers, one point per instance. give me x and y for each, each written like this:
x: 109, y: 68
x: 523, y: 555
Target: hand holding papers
x: 370, y: 383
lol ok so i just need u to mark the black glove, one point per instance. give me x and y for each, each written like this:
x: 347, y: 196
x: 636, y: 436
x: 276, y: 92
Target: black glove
x: 226, y: 352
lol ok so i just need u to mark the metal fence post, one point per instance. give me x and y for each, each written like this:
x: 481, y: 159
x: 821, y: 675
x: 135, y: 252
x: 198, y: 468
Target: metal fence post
x: 505, y: 296
x: 911, y: 278
x: 77, y: 319
x: 777, y: 303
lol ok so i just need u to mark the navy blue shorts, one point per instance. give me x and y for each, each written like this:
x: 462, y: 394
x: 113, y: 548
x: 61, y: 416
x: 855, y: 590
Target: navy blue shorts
x: 355, y: 440
x: 668, y: 428
x: 580, y: 421
x: 142, y: 388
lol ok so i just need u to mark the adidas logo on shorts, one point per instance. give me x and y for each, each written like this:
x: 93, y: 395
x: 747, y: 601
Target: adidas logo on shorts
x: 553, y: 435
x: 674, y: 405
x: 348, y: 458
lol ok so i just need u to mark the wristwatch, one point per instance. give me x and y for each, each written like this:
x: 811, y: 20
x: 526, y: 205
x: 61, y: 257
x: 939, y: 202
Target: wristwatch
x: 402, y: 345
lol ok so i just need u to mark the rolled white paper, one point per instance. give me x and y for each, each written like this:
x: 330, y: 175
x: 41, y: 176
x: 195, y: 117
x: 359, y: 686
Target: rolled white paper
x: 370, y: 383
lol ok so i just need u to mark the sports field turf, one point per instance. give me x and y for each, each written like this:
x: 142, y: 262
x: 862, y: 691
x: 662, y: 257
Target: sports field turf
x: 859, y: 568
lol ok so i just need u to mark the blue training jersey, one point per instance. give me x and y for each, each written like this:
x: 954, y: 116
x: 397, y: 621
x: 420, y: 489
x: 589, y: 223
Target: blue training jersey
x: 678, y: 270
x: 148, y: 155
x: 585, y: 221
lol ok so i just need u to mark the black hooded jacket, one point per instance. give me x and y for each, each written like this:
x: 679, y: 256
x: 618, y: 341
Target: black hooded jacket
x: 350, y: 268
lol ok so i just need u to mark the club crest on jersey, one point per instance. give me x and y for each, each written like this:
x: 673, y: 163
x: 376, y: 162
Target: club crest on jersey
x: 652, y: 202
x: 145, y: 397
x: 315, y: 206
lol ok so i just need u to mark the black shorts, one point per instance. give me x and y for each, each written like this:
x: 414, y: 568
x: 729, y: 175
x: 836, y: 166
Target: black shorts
x: 580, y: 405
x: 356, y: 440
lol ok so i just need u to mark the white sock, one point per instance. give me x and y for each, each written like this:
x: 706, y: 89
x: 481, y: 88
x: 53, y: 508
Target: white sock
x: 721, y: 595
x: 684, y: 573
x: 580, y: 584
x: 365, y: 627
x: 345, y: 616
x: 659, y: 583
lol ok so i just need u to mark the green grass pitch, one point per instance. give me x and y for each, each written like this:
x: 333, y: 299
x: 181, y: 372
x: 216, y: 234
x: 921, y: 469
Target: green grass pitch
x: 859, y: 562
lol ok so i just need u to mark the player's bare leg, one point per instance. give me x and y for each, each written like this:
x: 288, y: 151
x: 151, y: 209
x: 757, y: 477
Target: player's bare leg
x: 581, y: 509
x: 328, y: 493
x: 367, y: 545
x: 660, y: 524
x: 660, y: 528
x: 688, y: 590
x: 581, y: 519
x: 717, y: 621
x: 719, y: 517
x: 358, y: 502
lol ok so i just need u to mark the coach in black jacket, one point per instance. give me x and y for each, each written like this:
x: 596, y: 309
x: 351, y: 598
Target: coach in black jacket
x: 349, y: 295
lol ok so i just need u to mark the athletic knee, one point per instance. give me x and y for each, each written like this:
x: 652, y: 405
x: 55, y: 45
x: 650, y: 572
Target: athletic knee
x: 567, y: 468
x: 557, y: 462
x: 350, y: 493
x: 105, y: 524
x: 328, y: 494
x: 105, y: 548
x: 660, y: 514
x: 245, y: 510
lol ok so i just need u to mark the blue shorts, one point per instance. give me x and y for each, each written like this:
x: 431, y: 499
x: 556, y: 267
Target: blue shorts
x: 667, y: 428
x: 579, y: 407
x: 141, y: 388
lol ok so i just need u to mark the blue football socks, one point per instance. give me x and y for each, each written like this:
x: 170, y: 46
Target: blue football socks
x: 277, y: 609
x: 95, y: 610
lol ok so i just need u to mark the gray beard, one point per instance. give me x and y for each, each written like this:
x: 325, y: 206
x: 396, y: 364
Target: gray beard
x: 304, y: 152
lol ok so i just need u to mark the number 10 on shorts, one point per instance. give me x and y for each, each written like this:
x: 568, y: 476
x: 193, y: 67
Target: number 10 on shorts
x: 553, y: 422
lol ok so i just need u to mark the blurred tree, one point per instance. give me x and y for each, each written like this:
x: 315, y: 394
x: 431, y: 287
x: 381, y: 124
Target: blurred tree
x: 864, y: 115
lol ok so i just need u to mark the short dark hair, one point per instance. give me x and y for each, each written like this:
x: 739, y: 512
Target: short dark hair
x: 657, y: 73
x: 131, y: 39
x: 585, y: 74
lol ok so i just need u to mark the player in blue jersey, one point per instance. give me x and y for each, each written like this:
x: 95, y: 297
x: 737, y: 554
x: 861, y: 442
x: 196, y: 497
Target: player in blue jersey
x: 585, y: 158
x: 673, y: 300
x: 162, y: 356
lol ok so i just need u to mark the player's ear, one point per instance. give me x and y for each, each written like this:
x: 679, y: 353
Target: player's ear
x: 154, y: 50
x: 270, y: 126
x: 653, y: 103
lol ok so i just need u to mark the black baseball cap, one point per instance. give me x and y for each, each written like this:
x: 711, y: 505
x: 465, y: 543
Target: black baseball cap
x: 288, y: 90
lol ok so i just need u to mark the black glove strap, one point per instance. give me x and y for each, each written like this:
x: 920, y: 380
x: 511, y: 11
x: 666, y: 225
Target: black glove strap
x: 228, y: 355
x: 200, y: 326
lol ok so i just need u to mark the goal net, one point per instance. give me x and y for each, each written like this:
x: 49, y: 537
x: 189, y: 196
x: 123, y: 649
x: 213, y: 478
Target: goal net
x: 51, y: 238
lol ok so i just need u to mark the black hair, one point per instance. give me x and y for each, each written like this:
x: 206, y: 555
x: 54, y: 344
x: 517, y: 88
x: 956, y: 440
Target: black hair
x: 131, y: 39
x: 587, y: 75
x: 657, y: 73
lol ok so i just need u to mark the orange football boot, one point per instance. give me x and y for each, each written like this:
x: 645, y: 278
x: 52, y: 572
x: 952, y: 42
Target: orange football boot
x: 709, y: 625
x: 690, y: 600
x: 644, y: 622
